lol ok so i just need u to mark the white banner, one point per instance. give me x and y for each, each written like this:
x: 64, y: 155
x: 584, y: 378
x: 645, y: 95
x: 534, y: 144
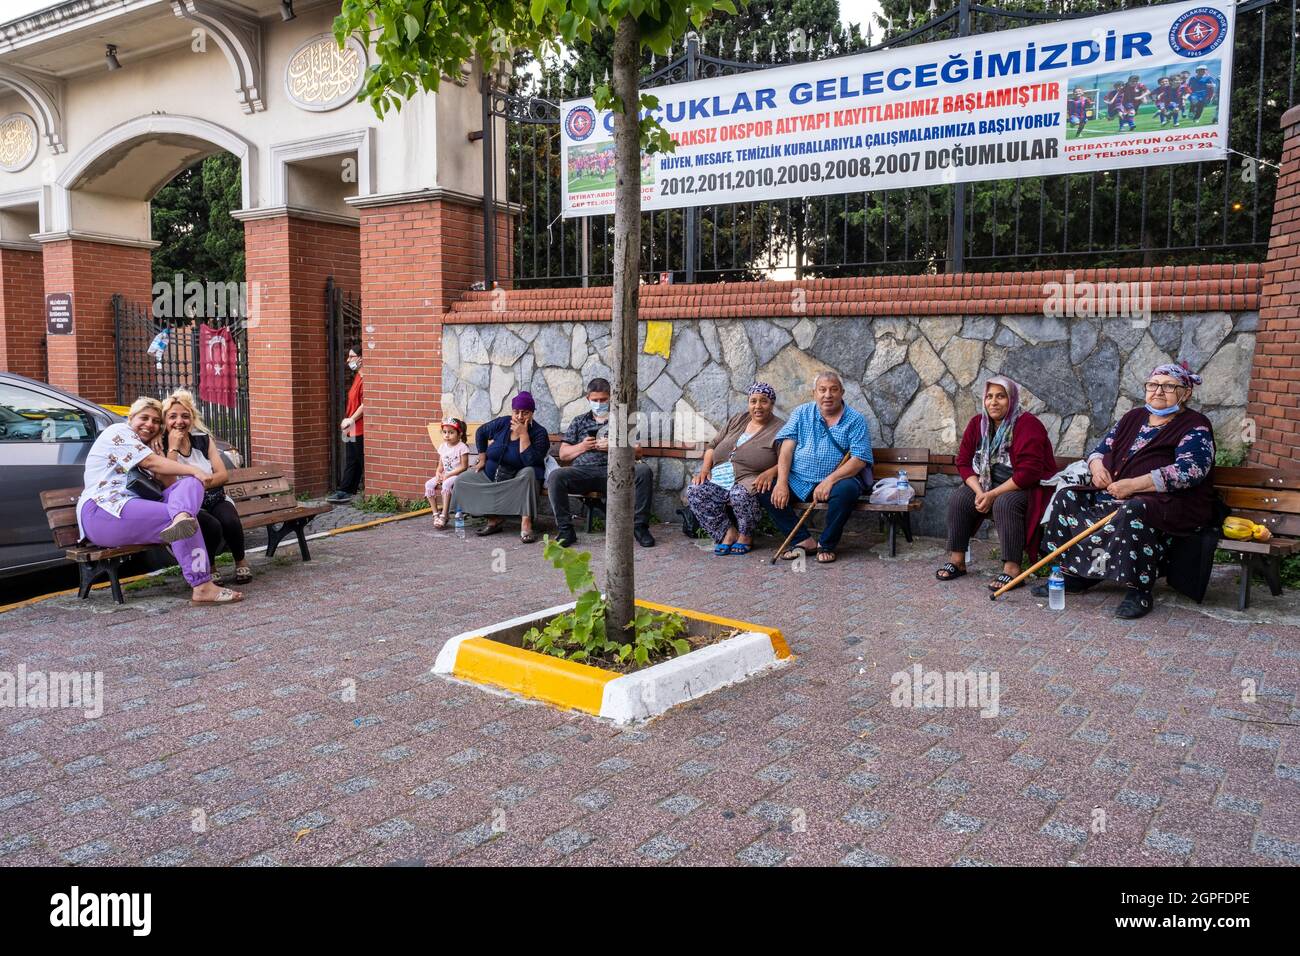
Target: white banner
x: 1133, y: 88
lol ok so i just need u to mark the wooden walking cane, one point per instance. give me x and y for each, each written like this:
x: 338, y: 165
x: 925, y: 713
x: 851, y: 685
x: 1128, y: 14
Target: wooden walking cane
x: 1063, y: 548
x: 811, y: 505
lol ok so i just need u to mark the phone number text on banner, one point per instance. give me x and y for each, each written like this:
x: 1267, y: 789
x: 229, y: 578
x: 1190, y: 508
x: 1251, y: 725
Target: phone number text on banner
x: 1134, y: 88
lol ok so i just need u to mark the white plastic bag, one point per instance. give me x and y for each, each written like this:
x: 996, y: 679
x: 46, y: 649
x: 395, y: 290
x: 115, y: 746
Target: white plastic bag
x: 887, y: 492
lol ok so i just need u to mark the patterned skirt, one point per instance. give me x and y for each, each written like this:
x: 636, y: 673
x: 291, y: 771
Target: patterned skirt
x: 1126, y: 549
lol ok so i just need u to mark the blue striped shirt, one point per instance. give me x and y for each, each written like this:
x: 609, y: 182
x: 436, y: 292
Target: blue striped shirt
x: 815, y: 453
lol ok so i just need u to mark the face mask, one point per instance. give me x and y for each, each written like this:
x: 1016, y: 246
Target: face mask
x: 354, y: 365
x: 599, y: 409
x: 1165, y: 412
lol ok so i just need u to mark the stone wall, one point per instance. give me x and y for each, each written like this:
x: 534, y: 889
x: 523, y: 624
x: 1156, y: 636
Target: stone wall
x: 917, y: 380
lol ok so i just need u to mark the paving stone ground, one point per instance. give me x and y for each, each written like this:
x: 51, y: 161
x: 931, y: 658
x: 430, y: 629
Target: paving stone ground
x: 231, y: 735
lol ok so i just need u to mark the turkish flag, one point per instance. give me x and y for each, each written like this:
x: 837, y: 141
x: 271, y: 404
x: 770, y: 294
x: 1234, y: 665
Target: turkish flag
x: 218, y: 383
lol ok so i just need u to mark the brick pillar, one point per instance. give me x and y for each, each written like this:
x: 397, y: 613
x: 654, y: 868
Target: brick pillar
x: 22, y: 312
x: 288, y: 260
x: 85, y: 362
x: 1274, y: 400
x: 417, y: 258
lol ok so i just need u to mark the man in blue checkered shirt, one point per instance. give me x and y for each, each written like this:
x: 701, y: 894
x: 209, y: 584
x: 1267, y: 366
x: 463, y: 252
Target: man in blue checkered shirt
x: 812, y: 466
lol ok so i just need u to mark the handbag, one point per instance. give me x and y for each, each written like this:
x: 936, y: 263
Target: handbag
x: 143, y: 486
x: 690, y: 523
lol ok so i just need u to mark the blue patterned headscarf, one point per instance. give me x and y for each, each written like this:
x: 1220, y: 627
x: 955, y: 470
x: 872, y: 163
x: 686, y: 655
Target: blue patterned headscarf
x: 1186, y: 378
x: 762, y: 388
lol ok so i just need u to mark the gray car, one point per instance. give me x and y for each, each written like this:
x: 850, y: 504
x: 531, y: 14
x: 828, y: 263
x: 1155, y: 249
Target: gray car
x: 45, y: 436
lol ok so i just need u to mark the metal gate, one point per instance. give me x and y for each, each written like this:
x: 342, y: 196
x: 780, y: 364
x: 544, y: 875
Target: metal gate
x: 179, y: 366
x: 343, y: 323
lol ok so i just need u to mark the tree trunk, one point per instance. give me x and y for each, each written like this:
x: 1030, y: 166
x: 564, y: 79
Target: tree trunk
x: 620, y: 580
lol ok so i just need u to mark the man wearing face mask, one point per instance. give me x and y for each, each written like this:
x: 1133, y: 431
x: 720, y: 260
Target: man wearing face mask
x: 585, y: 452
x: 353, y: 428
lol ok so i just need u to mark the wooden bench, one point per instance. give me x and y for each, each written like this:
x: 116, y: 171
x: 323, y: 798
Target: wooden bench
x: 1269, y: 497
x: 592, y: 501
x: 263, y: 497
x: 888, y: 462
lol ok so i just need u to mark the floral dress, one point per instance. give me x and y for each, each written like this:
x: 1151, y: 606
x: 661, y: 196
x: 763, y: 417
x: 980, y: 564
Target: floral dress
x: 1126, y: 549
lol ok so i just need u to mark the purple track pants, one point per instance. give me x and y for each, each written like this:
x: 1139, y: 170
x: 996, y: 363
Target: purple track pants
x: 142, y: 521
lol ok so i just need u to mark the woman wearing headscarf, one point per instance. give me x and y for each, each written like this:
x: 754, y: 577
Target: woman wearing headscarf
x: 739, y: 466
x: 1155, y: 468
x: 1004, y: 454
x: 511, y: 465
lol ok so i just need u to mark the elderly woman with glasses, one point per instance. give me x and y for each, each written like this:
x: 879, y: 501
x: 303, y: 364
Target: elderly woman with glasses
x: 1155, y: 469
x: 739, y: 466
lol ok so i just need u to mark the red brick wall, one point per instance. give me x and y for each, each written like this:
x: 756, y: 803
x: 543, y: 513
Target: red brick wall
x: 417, y: 259
x: 288, y: 261
x: 85, y: 362
x: 1274, y: 401
x: 1173, y: 289
x: 22, y: 312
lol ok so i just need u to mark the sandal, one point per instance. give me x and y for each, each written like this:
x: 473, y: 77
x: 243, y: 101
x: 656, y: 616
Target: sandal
x: 1003, y: 579
x: 950, y: 572
x: 722, y: 548
x: 243, y: 575
x: 826, y: 557
x: 488, y: 529
x: 739, y: 548
x: 797, y: 552
x: 226, y: 596
x: 528, y: 537
x: 439, y: 521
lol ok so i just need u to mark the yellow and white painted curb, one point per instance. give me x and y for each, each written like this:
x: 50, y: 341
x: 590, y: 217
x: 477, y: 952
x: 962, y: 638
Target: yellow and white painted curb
x: 622, y: 698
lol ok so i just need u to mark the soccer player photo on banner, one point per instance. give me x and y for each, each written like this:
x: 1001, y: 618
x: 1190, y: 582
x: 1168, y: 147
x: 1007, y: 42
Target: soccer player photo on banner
x: 1131, y: 88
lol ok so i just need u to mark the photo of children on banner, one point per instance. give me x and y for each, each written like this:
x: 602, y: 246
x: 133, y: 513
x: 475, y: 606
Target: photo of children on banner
x: 1167, y: 97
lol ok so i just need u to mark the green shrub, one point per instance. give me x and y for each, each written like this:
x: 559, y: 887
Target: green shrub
x: 387, y: 504
x: 579, y: 635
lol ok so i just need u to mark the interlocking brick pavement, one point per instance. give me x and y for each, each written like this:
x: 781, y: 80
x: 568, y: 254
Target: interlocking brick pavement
x: 304, y: 726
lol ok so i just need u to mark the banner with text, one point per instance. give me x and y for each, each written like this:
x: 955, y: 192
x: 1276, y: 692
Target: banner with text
x: 1133, y: 88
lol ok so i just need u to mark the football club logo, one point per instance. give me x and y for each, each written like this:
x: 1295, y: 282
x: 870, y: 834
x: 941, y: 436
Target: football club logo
x: 579, y: 123
x: 1198, y: 31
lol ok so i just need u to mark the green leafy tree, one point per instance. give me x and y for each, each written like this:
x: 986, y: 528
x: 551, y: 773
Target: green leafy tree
x: 418, y: 42
x: 191, y: 220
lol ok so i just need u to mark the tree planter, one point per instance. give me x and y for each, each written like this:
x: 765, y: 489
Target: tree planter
x: 493, y: 657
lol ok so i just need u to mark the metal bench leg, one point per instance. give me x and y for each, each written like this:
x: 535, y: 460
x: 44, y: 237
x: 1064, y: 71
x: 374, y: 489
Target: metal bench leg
x: 591, y: 514
x: 300, y: 529
x: 1271, y: 568
x: 893, y: 537
x: 88, y: 575
x: 274, y: 532
x: 114, y: 582
x: 907, y: 526
x: 1243, y: 584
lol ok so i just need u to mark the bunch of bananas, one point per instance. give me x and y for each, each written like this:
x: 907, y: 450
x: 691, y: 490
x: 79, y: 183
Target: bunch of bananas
x: 1243, y: 529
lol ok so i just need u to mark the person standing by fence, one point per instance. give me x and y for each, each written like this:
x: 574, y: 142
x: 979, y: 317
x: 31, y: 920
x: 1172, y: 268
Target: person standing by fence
x: 354, y: 429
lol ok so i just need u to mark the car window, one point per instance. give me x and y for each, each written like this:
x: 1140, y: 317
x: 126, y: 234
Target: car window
x: 27, y: 416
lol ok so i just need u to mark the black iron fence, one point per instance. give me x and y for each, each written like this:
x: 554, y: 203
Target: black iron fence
x: 1187, y: 213
x: 179, y: 365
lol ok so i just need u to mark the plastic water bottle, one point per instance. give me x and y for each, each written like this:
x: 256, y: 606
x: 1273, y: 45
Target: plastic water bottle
x: 904, y: 492
x: 968, y: 558
x: 1056, y: 589
x: 460, y: 524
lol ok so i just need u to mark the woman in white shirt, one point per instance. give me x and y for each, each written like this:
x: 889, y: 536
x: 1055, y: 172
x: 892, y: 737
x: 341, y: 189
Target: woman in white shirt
x: 186, y: 439
x: 111, y: 514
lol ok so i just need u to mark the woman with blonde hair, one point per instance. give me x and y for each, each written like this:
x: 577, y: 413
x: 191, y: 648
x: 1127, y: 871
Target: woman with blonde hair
x: 186, y: 439
x: 121, y: 505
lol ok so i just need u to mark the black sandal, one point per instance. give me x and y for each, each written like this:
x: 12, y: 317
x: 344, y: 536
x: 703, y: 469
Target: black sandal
x: 825, y: 556
x: 1135, y: 604
x: 797, y: 552
x: 488, y: 529
x: 1001, y: 580
x: 950, y: 572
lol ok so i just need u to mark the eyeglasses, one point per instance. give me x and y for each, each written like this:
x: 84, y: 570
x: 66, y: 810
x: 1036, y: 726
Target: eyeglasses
x: 1163, y: 387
